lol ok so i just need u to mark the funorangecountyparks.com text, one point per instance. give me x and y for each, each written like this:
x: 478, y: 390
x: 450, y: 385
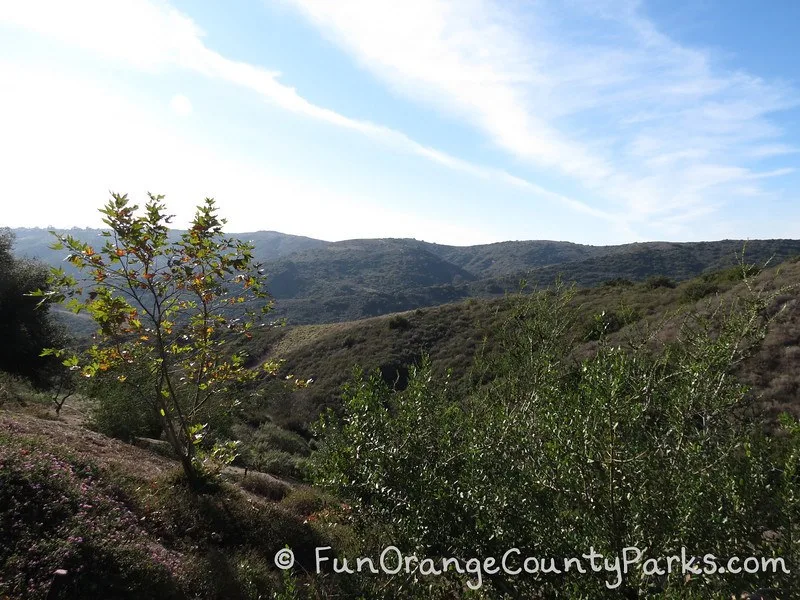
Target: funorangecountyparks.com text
x: 392, y: 561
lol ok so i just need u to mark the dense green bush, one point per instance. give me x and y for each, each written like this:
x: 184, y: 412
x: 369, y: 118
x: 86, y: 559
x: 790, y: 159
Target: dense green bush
x: 265, y: 486
x: 698, y: 289
x: 304, y: 502
x: 271, y: 449
x: 653, y: 448
x: 659, y: 281
x: 120, y: 411
x: 18, y: 390
x: 269, y: 436
x: 25, y: 330
x: 280, y: 463
x: 717, y: 281
x: 734, y: 274
x: 399, y: 322
x: 618, y: 282
x: 610, y: 321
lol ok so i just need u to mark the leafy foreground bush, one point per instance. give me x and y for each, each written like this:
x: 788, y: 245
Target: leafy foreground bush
x: 651, y: 446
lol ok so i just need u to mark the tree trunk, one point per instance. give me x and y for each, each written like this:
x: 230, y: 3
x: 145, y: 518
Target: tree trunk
x: 184, y: 453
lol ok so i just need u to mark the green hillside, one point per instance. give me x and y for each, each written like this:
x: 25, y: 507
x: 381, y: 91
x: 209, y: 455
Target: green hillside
x: 323, y: 282
x: 356, y: 279
x: 117, y: 517
x: 452, y: 333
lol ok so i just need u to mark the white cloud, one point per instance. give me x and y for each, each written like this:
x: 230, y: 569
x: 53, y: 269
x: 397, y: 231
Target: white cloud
x: 152, y: 36
x: 564, y: 87
x: 766, y: 151
x: 63, y: 152
x: 181, y: 105
x: 650, y: 126
x: 145, y: 35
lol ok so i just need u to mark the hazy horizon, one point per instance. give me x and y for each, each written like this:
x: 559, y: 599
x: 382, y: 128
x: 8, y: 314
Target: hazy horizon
x: 334, y: 241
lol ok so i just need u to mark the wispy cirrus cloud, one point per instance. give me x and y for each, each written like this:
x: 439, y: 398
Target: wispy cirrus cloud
x: 592, y: 90
x: 654, y: 133
x: 67, y: 140
x: 150, y: 35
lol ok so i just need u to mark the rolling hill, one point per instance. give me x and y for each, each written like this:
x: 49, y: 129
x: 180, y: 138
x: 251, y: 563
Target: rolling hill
x: 451, y: 335
x: 34, y: 242
x: 315, y: 281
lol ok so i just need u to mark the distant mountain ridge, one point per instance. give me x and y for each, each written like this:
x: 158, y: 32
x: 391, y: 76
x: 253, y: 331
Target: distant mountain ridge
x: 34, y: 242
x: 314, y: 281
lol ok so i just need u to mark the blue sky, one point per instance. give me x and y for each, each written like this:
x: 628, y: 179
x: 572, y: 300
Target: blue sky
x: 461, y: 122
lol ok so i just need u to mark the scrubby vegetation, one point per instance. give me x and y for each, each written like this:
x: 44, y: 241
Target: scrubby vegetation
x: 24, y: 330
x: 58, y: 513
x: 451, y: 335
x: 649, y: 446
x: 123, y: 524
x: 641, y: 412
x: 325, y: 282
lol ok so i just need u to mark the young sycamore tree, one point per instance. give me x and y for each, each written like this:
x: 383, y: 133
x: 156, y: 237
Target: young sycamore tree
x: 167, y: 304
